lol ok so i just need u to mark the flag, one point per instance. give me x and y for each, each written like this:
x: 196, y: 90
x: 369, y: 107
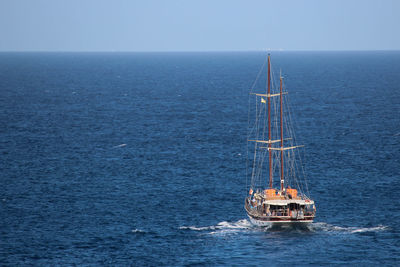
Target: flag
x: 263, y: 100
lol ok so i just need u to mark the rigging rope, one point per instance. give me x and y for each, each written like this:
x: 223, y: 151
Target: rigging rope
x: 292, y: 158
x: 248, y: 124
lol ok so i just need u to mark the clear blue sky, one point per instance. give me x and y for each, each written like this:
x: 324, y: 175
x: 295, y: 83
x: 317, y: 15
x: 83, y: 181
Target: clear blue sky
x: 198, y: 25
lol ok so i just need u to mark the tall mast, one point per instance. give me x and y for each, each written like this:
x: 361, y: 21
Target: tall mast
x: 269, y: 122
x: 281, y: 120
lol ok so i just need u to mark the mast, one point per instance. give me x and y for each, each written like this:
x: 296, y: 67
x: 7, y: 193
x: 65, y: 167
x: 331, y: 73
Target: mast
x: 269, y: 122
x: 281, y: 120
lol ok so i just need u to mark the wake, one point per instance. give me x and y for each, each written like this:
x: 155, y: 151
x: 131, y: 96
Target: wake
x: 223, y: 227
x: 245, y: 225
x: 321, y: 226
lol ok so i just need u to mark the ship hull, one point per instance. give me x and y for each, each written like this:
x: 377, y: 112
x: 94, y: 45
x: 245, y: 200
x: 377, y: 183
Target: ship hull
x: 271, y: 222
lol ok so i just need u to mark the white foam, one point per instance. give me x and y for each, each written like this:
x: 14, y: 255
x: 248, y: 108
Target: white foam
x: 371, y: 229
x: 241, y: 224
x: 194, y: 228
x: 245, y: 225
x: 138, y: 231
x: 321, y: 226
x: 121, y: 145
x: 222, y: 227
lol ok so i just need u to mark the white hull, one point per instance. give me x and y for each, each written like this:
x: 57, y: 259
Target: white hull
x: 278, y: 223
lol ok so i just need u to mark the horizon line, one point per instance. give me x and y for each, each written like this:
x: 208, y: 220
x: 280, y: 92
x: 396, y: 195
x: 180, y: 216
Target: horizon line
x: 198, y: 51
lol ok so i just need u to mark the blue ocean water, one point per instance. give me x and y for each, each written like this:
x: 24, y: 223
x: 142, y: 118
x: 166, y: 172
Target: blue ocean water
x: 140, y: 159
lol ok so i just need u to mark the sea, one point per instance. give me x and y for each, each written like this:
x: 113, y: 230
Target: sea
x: 139, y: 159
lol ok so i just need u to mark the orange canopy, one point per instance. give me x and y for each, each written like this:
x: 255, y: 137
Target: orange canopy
x: 292, y: 192
x: 270, y: 192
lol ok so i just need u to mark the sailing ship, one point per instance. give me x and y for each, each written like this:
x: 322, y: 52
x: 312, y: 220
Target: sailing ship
x: 272, y: 142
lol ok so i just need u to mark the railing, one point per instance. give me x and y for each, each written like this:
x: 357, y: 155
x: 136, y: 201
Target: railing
x: 259, y: 211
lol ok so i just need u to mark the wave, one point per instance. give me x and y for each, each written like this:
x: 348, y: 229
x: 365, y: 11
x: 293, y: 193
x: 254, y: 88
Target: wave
x: 245, y: 225
x: 222, y: 227
x: 138, y: 231
x: 321, y: 226
x: 121, y: 145
x: 194, y: 228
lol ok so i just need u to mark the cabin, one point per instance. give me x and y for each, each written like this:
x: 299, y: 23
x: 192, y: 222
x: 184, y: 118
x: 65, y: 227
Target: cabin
x: 288, y: 203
